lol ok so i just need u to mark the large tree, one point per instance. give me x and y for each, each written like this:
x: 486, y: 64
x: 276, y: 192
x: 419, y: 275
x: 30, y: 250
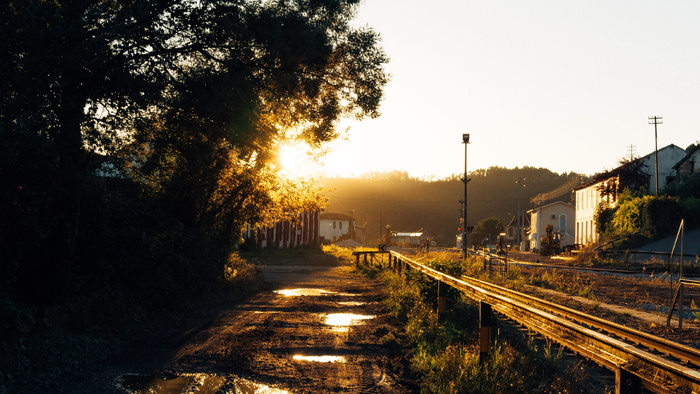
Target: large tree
x: 183, y: 100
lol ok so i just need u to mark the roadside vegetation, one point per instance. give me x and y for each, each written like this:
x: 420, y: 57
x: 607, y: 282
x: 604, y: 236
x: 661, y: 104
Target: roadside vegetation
x: 445, y: 355
x: 638, y: 218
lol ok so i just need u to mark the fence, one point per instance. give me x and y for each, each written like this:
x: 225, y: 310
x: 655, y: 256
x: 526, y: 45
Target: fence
x: 632, y: 355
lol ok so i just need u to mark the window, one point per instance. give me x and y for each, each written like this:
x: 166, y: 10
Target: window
x: 341, y: 225
x: 562, y: 224
x: 334, y: 224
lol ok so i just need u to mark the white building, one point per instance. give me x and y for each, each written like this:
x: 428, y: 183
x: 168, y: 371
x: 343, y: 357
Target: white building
x: 558, y: 214
x: 334, y: 226
x: 605, y: 187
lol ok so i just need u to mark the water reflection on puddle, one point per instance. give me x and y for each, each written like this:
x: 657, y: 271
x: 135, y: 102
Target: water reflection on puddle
x: 352, y: 303
x: 320, y: 359
x: 310, y: 292
x: 194, y: 383
x: 341, y: 321
x: 303, y: 292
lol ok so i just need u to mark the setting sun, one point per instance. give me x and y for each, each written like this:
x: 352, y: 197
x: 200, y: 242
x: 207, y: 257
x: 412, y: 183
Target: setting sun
x: 297, y: 160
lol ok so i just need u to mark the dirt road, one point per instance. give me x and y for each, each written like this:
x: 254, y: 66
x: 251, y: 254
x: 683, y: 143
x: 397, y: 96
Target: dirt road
x: 321, y: 329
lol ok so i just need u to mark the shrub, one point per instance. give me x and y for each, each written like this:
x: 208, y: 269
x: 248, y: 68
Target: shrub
x: 241, y: 275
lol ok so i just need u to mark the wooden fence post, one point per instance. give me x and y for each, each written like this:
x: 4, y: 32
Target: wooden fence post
x: 484, y: 331
x: 441, y: 300
x: 627, y: 382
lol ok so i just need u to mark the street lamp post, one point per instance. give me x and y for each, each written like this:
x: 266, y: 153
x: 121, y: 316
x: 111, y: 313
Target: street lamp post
x: 465, y: 141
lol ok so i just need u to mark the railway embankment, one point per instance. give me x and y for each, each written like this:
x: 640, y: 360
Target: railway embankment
x: 620, y: 341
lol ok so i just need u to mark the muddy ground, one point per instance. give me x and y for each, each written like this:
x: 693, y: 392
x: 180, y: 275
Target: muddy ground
x: 332, y: 337
x: 278, y: 343
x: 636, y: 301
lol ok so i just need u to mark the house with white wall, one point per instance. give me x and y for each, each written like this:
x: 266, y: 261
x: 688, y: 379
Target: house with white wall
x: 669, y: 156
x: 687, y: 166
x: 334, y: 226
x: 558, y: 214
x: 604, y: 188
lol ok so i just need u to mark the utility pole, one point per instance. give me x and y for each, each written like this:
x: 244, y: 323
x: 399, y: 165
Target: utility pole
x: 465, y: 141
x: 518, y: 237
x: 656, y: 120
x: 352, y: 224
x: 631, y: 152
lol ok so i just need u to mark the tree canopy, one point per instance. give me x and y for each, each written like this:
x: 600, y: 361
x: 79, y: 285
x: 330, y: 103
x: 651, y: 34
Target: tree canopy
x: 130, y: 126
x: 486, y: 232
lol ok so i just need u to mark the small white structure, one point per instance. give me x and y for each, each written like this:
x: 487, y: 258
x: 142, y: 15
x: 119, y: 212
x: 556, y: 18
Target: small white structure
x: 558, y: 214
x: 604, y: 188
x: 333, y: 226
x: 408, y: 239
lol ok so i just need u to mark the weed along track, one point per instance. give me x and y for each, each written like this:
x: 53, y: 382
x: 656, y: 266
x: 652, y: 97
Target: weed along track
x: 319, y: 330
x: 638, y: 359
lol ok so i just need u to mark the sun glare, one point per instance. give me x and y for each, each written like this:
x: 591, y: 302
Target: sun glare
x: 297, y: 160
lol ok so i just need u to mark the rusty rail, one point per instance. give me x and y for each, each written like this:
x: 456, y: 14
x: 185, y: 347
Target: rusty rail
x: 637, y: 358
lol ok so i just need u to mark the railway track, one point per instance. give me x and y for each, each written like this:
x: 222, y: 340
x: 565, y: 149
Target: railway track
x: 637, y: 358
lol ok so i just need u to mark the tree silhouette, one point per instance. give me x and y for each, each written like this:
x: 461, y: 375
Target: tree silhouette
x: 178, y: 105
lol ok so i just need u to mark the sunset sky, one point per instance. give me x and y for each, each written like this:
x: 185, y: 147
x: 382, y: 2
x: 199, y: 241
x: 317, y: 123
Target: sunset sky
x: 557, y: 84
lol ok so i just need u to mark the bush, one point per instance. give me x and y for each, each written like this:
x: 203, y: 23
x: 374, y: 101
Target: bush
x: 241, y: 275
x: 691, y: 211
x: 660, y: 216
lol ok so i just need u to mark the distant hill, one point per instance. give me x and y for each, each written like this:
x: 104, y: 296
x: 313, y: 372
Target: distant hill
x: 411, y: 204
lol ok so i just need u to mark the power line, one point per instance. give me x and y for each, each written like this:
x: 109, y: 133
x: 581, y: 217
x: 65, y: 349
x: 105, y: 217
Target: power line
x: 558, y: 192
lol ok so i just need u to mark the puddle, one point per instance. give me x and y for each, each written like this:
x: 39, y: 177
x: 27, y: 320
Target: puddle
x: 352, y: 303
x: 304, y: 292
x: 194, y: 383
x: 341, y: 321
x: 244, y: 386
x: 157, y: 384
x: 346, y: 319
x: 311, y: 292
x: 320, y: 359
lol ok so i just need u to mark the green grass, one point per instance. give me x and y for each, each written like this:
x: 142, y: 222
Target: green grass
x: 445, y: 354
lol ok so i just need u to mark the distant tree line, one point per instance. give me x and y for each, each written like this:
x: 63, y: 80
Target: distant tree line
x: 137, y: 138
x: 411, y: 204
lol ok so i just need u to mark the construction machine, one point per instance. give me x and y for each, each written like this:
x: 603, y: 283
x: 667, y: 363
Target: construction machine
x: 550, y: 242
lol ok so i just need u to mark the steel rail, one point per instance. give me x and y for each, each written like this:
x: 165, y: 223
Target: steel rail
x: 680, y: 351
x: 587, y: 335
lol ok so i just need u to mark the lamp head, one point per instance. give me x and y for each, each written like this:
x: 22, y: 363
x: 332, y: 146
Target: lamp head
x: 465, y: 138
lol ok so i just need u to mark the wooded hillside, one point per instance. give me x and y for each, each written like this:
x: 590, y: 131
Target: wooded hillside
x: 410, y: 204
